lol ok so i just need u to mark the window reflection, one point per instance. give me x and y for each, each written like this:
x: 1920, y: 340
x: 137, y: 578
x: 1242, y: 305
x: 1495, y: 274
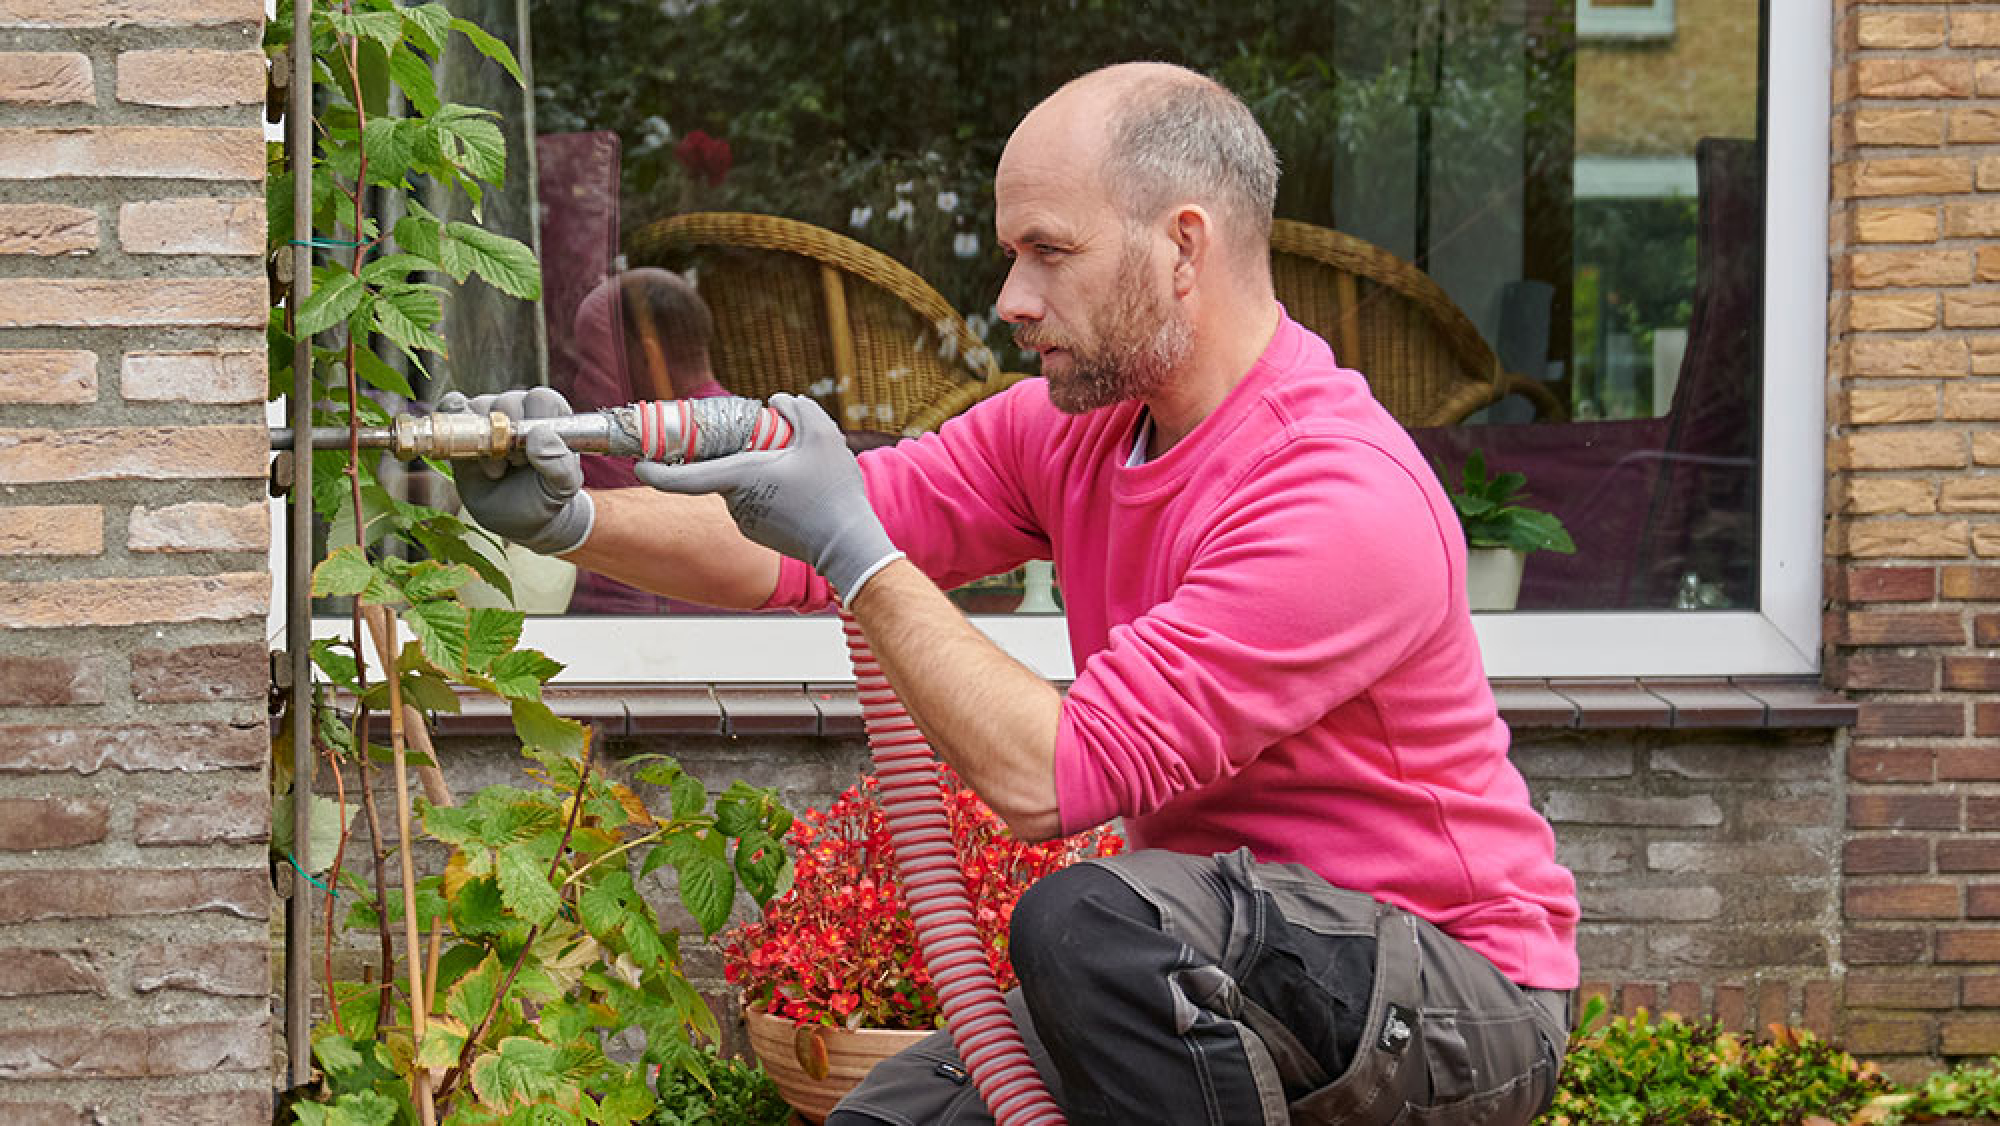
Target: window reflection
x: 1538, y: 244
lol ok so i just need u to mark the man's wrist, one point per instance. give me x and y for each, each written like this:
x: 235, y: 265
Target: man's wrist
x: 569, y: 529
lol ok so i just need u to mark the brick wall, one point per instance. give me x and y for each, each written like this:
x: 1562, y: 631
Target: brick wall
x: 134, y: 892
x: 1913, y: 542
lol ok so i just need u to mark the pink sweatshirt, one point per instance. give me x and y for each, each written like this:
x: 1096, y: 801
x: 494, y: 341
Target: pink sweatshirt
x: 1271, y: 638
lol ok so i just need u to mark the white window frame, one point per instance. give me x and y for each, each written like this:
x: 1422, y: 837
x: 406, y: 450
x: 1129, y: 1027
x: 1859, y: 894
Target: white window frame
x: 1781, y: 638
x: 1596, y: 20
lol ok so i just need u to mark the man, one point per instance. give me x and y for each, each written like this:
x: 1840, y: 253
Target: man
x: 1343, y: 907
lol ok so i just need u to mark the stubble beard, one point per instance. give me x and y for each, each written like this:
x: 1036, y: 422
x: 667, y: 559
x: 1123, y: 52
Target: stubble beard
x: 1142, y: 340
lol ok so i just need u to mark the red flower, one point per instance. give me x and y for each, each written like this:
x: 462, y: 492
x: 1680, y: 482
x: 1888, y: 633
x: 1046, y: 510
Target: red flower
x: 706, y: 158
x: 839, y: 948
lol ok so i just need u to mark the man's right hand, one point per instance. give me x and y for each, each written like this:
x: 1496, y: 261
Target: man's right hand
x: 535, y: 497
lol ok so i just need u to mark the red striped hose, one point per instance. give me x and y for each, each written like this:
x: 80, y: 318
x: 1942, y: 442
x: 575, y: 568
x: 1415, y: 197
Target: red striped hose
x: 913, y: 800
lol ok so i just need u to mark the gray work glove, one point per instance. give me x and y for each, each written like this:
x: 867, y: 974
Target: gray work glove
x: 806, y: 500
x: 535, y: 496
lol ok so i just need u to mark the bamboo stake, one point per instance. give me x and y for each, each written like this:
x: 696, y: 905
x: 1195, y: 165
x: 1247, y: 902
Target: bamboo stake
x: 412, y: 949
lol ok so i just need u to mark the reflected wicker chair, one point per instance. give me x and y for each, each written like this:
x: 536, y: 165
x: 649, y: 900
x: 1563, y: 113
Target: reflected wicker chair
x: 1387, y: 319
x: 799, y: 308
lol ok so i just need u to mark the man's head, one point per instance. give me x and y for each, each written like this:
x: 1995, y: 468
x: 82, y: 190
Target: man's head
x: 1132, y: 199
x: 665, y: 327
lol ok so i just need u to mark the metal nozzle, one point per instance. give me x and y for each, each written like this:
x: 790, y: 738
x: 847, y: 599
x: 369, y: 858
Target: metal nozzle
x: 712, y: 428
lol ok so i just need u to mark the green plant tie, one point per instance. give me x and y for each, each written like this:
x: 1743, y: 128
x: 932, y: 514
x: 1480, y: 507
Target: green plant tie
x: 323, y: 243
x: 307, y: 877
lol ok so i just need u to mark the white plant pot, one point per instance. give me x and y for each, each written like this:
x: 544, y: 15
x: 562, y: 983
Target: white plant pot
x: 1493, y: 577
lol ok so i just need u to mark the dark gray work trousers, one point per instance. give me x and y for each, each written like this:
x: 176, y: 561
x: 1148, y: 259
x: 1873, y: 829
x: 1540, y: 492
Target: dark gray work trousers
x: 1212, y: 991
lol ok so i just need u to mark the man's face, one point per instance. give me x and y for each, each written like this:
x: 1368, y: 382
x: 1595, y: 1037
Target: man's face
x: 1124, y: 340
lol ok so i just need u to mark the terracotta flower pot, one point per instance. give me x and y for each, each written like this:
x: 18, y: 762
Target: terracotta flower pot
x: 814, y: 1065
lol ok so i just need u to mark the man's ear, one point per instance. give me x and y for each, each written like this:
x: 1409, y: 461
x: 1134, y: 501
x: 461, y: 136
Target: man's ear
x: 1192, y: 232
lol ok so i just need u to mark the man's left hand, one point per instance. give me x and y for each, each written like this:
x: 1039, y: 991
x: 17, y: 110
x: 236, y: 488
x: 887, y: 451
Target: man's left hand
x: 806, y: 500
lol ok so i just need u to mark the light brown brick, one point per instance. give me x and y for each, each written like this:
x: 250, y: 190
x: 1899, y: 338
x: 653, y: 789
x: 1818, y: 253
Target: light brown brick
x: 1899, y: 29
x: 1975, y: 29
x: 156, y: 151
x: 1972, y: 220
x: 1987, y: 75
x: 200, y: 526
x: 47, y: 229
x: 52, y: 529
x: 128, y: 13
x: 1972, y: 308
x: 1973, y: 126
x: 1988, y: 175
x: 1977, y: 401
x: 141, y: 453
x: 1985, y: 448
x: 133, y: 303
x: 1989, y: 264
x: 46, y: 78
x: 1908, y: 539
x: 1907, y: 356
x: 1892, y: 312
x: 193, y: 226
x: 183, y: 748
x: 1911, y: 268
x: 1917, y: 449
x: 1896, y: 224
x: 45, y: 973
x: 1913, y: 175
x: 48, y: 376
x: 1936, y: 77
x: 95, y: 1051
x: 1903, y: 901
x: 187, y: 78
x: 1970, y: 584
x: 1970, y: 494
x: 193, y: 377
x: 1890, y: 496
x: 1874, y: 406
x: 1986, y: 545
x: 75, y: 603
x: 1897, y: 125
x: 1985, y: 354
x: 27, y: 824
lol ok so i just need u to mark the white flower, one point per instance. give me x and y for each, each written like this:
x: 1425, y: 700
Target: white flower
x: 653, y: 133
x: 903, y: 211
x: 979, y: 325
x: 859, y: 217
x: 820, y: 389
x: 906, y: 187
x: 947, y: 201
x: 966, y: 245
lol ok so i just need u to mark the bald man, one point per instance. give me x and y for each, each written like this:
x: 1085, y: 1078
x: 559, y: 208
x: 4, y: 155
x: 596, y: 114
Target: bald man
x: 1341, y: 906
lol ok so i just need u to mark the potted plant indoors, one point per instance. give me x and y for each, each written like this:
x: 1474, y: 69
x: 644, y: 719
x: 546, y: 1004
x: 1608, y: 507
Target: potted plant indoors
x: 831, y: 974
x: 1499, y: 533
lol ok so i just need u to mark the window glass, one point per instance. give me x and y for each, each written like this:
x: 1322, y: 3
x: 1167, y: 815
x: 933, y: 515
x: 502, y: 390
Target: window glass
x: 1508, y: 200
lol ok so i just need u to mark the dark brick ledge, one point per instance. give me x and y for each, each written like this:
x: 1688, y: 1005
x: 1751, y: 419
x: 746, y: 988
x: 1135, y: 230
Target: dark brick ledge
x: 637, y: 710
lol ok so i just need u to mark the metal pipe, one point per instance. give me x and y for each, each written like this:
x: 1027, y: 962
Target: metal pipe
x: 298, y: 570
x: 671, y: 431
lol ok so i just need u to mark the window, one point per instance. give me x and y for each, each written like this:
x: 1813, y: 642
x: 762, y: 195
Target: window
x: 1567, y: 201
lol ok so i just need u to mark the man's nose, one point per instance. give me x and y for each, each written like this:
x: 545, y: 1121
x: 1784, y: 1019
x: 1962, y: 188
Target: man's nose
x: 1018, y: 302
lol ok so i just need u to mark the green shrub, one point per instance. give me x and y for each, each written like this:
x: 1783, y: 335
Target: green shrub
x: 1646, y: 1071
x: 1965, y: 1091
x: 714, y: 1090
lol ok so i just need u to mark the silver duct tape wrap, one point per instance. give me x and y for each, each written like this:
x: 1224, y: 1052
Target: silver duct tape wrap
x: 723, y: 426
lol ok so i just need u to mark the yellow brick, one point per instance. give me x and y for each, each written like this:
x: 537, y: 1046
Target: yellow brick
x: 1975, y: 29
x: 1980, y: 126
x: 1906, y: 356
x: 1989, y: 264
x: 1896, y: 224
x: 1879, y: 407
x: 1987, y: 78
x: 1985, y: 355
x: 1892, y: 312
x: 1910, y: 268
x: 1904, y: 449
x: 1935, y: 77
x: 1897, y: 125
x: 1989, y: 174
x: 1986, y: 448
x: 1890, y: 496
x: 1971, y: 494
x: 1986, y: 540
x: 1910, y: 175
x: 1972, y: 402
x: 1909, y: 539
x: 1972, y: 220
x: 1899, y: 29
x: 1972, y: 308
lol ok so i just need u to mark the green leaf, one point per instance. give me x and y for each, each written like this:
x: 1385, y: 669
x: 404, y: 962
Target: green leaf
x: 465, y: 141
x: 408, y: 315
x: 507, y: 264
x: 339, y: 667
x: 525, y: 887
x: 490, y: 47
x: 627, y: 1102
x: 385, y: 28
x: 491, y: 632
x: 522, y: 1068
x: 379, y: 375
x: 428, y: 25
x: 539, y: 727
x: 468, y: 1001
x: 412, y: 72
x: 444, y: 631
x: 323, y: 841
x: 329, y: 303
x: 418, y: 232
x: 601, y: 907
x: 429, y: 580
x: 394, y: 267
x: 443, y: 1037
x: 337, y: 1055
x: 344, y: 572
x: 519, y: 675
x: 763, y: 864
x: 708, y: 887
x: 690, y: 797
